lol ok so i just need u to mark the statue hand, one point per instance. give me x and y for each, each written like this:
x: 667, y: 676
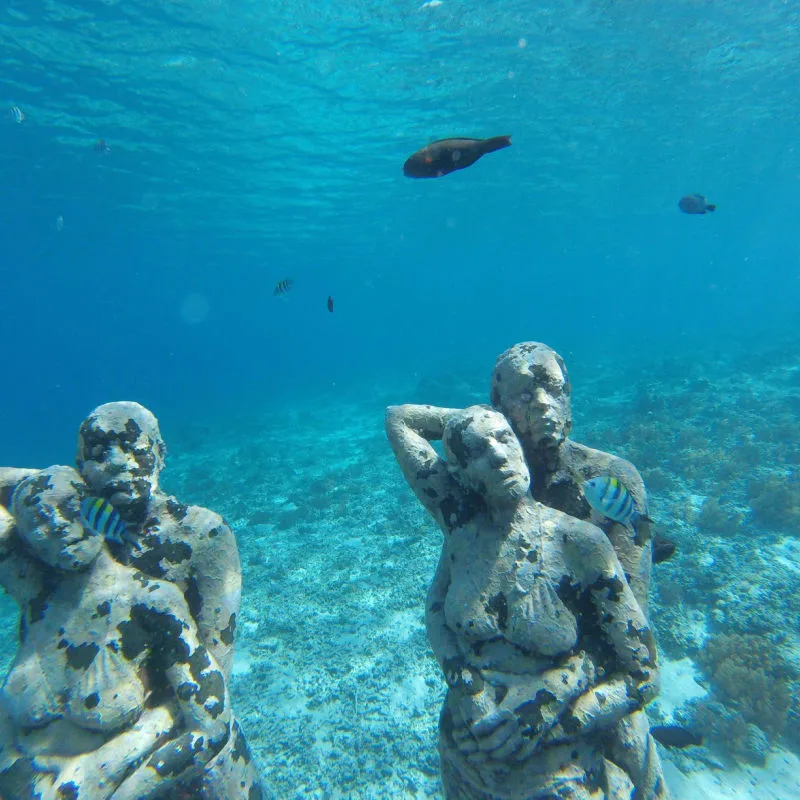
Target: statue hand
x: 482, y: 728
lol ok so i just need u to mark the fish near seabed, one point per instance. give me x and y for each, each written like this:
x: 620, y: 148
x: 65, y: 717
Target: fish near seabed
x: 663, y: 549
x: 609, y: 497
x: 695, y: 204
x: 447, y: 155
x: 675, y: 736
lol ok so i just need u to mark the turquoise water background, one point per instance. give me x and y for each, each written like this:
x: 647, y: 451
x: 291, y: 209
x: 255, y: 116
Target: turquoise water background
x: 255, y: 141
x: 252, y: 142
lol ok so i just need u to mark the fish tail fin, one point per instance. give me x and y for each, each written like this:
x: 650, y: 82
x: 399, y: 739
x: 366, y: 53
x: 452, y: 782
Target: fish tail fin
x: 710, y: 207
x: 495, y: 143
x: 131, y: 539
x: 637, y: 517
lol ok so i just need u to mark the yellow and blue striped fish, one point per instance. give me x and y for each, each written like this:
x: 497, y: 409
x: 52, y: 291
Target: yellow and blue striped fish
x: 101, y: 517
x: 609, y: 497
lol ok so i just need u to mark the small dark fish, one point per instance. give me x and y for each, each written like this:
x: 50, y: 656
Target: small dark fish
x: 695, y: 204
x: 675, y: 736
x: 447, y: 155
x: 281, y: 287
x: 101, y: 147
x: 330, y: 304
x: 663, y: 549
x: 101, y: 517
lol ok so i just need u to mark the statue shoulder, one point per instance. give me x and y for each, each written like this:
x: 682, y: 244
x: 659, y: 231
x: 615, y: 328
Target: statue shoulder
x: 587, y: 462
x: 587, y: 544
x: 199, y: 521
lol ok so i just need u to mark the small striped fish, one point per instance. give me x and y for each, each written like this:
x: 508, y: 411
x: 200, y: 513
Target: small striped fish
x: 609, y: 497
x: 16, y: 114
x: 101, y: 517
x: 281, y: 287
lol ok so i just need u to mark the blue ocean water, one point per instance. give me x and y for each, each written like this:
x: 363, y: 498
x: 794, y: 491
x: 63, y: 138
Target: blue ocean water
x: 251, y: 142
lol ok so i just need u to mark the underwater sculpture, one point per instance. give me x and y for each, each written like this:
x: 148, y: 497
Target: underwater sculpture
x: 547, y: 655
x: 531, y: 387
x: 120, y: 456
x: 119, y: 686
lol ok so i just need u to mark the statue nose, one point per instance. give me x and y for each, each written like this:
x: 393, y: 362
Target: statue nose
x: 497, y: 455
x: 116, y: 458
x: 541, y: 397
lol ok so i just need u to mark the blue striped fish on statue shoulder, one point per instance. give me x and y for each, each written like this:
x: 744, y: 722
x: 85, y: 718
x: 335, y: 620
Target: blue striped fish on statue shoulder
x: 609, y: 497
x: 102, y: 518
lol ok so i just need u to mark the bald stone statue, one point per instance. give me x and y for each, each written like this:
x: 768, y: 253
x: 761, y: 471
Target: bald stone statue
x: 119, y: 686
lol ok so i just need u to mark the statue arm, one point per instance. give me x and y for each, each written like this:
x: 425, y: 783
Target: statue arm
x: 20, y: 575
x: 410, y: 430
x: 200, y: 693
x: 216, y: 583
x: 635, y: 680
x: 443, y: 641
x: 10, y: 478
x: 100, y: 772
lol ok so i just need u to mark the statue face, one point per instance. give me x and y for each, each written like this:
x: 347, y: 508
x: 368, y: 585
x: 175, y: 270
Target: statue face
x: 120, y: 455
x: 46, y: 509
x: 531, y: 387
x: 488, y: 454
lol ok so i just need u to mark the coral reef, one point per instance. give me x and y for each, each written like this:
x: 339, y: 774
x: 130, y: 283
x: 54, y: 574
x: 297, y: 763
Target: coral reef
x: 749, y: 674
x: 726, y: 729
x: 775, y: 501
x: 715, y: 519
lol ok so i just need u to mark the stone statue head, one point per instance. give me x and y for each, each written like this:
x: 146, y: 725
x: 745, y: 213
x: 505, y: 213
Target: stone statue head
x: 485, y: 456
x: 46, y: 508
x: 531, y: 387
x: 120, y: 455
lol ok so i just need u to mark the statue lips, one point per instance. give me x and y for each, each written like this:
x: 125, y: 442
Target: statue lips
x: 448, y: 155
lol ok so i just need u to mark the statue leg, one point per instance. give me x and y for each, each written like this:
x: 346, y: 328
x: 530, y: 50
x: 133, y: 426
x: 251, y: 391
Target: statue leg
x: 234, y: 772
x: 633, y: 749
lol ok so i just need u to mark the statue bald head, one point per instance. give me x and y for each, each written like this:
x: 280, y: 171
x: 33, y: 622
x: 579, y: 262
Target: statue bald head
x: 530, y: 386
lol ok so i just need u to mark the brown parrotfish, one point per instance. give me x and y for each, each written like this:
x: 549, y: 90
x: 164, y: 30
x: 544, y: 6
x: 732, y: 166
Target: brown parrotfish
x: 447, y: 155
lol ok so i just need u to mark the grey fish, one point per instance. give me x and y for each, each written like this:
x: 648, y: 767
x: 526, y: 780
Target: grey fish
x: 675, y: 736
x: 447, y: 155
x: 695, y: 204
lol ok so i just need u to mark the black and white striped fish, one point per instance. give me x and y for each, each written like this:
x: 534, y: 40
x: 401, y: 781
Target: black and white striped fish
x: 100, y: 516
x: 283, y: 286
x: 609, y: 497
